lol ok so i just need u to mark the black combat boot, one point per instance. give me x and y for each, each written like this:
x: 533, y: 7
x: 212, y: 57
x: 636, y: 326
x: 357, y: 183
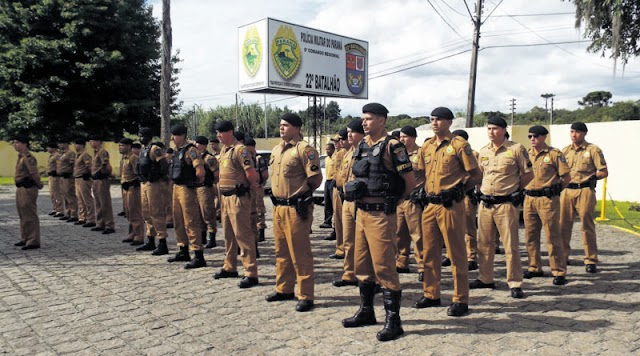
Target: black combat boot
x: 261, y: 235
x: 392, y: 324
x: 181, y: 256
x: 257, y: 251
x: 212, y: 240
x: 203, y: 235
x: 365, y: 315
x: 149, y: 246
x: 197, y: 262
x: 162, y: 248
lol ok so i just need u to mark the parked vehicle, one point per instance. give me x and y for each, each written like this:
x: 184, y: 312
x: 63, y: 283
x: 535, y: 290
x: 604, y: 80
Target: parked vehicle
x: 318, y: 194
x: 267, y: 185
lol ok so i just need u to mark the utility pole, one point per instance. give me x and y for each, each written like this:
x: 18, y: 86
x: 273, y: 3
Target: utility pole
x: 513, y: 109
x: 237, y: 110
x: 165, y: 79
x: 474, y: 64
x: 266, y: 131
x: 552, y: 110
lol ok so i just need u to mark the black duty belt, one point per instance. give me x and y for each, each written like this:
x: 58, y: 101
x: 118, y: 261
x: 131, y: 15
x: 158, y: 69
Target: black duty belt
x: 284, y: 202
x: 131, y: 184
x: 535, y: 193
x: 494, y: 199
x: 370, y: 206
x: 66, y: 175
x: 586, y: 184
x: 240, y: 191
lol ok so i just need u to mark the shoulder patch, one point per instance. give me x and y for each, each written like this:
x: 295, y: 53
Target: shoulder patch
x: 158, y: 152
x: 193, y: 154
x: 246, y: 162
x: 32, y: 161
x: 105, y: 154
x: 314, y: 168
x: 311, y: 155
x: 401, y: 154
x: 561, y: 158
x: 467, y: 150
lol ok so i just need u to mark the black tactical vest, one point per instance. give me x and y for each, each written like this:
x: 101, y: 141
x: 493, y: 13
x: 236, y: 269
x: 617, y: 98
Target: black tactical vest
x: 181, y: 172
x: 369, y: 168
x: 208, y: 175
x: 148, y: 169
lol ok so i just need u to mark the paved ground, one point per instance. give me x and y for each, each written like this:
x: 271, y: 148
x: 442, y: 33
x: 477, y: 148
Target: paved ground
x: 87, y: 293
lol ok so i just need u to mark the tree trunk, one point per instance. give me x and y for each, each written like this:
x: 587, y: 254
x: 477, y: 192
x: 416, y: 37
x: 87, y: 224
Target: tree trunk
x: 165, y: 85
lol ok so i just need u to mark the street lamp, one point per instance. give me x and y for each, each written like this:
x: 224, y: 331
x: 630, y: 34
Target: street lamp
x: 546, y: 99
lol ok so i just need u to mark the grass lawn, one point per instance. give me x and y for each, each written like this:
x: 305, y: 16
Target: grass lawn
x: 631, y: 216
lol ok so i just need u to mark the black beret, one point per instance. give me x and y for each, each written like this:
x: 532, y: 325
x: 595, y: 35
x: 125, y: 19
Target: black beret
x: 356, y: 126
x: 239, y: 136
x: 136, y: 145
x: 169, y: 150
x: 145, y: 131
x: 442, y: 112
x: 343, y: 133
x: 461, y: 133
x: 250, y: 142
x: 498, y: 121
x: 52, y: 144
x: 21, y: 138
x: 78, y: 141
x: 579, y: 126
x: 538, y: 130
x: 178, y: 130
x: 224, y: 126
x: 201, y: 140
x: 126, y: 141
x: 95, y: 138
x: 409, y: 131
x: 395, y: 133
x: 214, y: 140
x: 375, y: 108
x: 293, y: 119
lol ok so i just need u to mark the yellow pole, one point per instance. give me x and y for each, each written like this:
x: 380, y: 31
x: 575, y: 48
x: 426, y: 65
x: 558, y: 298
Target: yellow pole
x: 604, y: 201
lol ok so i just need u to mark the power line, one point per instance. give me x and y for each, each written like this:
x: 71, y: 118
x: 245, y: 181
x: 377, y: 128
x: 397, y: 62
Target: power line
x: 494, y: 9
x: 453, y: 9
x: 419, y: 65
x: 445, y: 21
x: 531, y: 15
x: 533, y: 44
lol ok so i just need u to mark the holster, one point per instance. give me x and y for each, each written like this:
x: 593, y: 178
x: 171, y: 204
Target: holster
x: 517, y: 198
x: 86, y: 176
x: 26, y: 183
x: 417, y: 196
x: 302, y: 205
x: 52, y: 174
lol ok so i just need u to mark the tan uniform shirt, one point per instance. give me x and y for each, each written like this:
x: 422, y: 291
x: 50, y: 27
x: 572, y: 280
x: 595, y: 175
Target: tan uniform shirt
x: 549, y: 165
x: 337, y: 159
x: 235, y: 159
x: 100, y: 162
x: 291, y: 164
x: 82, y: 165
x: 210, y: 162
x: 26, y: 167
x: 502, y: 168
x: 418, y: 172
x: 346, y: 172
x: 66, y: 162
x: 447, y: 164
x: 129, y: 164
x: 584, y: 161
x: 329, y: 164
x: 52, y: 163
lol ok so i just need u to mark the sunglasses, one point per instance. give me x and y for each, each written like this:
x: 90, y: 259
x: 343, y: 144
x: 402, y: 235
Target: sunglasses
x: 533, y: 136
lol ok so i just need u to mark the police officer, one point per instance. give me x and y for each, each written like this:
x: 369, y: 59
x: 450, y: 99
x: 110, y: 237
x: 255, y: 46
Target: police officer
x: 205, y: 191
x: 28, y: 183
x: 151, y: 170
x: 450, y: 170
x: 100, y: 171
x: 587, y: 165
x: 506, y: 171
x: 187, y: 171
x: 67, y: 184
x: 470, y: 214
x: 82, y: 174
x: 238, y: 178
x: 383, y: 174
x: 330, y: 149
x: 337, y: 197
x: 168, y: 188
x: 409, y: 226
x: 130, y: 183
x: 54, y: 182
x: 337, y: 140
x: 258, y: 223
x: 542, y: 205
x: 214, y: 145
x: 295, y: 174
x: 355, y: 133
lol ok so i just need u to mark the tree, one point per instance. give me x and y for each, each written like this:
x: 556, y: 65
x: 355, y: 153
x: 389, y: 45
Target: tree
x: 71, y: 67
x: 612, y: 25
x: 596, y: 98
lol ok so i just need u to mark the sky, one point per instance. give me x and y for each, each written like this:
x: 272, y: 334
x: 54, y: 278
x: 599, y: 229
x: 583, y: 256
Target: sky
x: 402, y: 33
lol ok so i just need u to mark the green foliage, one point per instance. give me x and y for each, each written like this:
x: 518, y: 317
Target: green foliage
x: 596, y: 98
x: 70, y: 67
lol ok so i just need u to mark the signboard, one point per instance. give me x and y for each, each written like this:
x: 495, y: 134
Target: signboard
x: 277, y: 57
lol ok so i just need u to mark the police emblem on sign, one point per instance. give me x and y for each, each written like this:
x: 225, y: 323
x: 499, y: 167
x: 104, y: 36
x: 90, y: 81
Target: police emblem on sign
x: 355, y: 66
x: 285, y: 52
x: 251, y: 51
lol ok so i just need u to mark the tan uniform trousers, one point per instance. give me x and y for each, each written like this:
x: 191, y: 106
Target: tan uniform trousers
x: 539, y: 213
x: 207, y: 209
x: 337, y: 222
x: 294, y: 260
x: 168, y: 194
x: 443, y: 224
x: 104, y: 209
x: 236, y: 226
x: 254, y: 216
x: 582, y: 201
x: 349, y: 238
x: 218, y: 200
x: 153, y: 208
x: 86, y: 206
x: 56, y: 195
x: 409, y: 228
x: 187, y: 218
x: 502, y: 219
x: 471, y: 232
x: 26, y: 203
x: 262, y: 210
x: 133, y: 209
x: 68, y: 189
x: 375, y: 248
